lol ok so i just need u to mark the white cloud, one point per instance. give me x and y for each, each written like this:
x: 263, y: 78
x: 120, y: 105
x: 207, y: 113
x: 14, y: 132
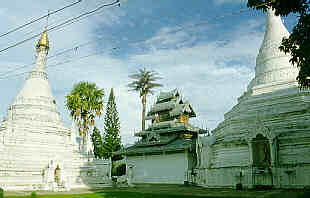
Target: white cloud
x: 168, y: 37
x: 211, y: 75
x: 219, y: 2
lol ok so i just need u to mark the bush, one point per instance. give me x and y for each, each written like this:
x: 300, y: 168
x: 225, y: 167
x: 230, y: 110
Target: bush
x: 306, y: 194
x: 119, y: 170
x: 238, y: 186
x: 33, y: 195
x: 1, y: 193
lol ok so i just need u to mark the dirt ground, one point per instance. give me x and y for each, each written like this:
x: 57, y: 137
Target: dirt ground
x: 190, y: 191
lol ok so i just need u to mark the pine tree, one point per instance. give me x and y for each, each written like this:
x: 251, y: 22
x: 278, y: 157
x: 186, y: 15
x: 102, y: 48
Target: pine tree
x: 96, y: 139
x: 112, y: 139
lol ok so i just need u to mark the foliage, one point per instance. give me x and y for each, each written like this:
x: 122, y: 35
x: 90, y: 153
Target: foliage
x: 112, y: 139
x: 298, y: 43
x: 96, y: 139
x: 85, y: 103
x: 144, y: 83
x: 33, y: 195
x: 1, y: 193
x: 119, y: 170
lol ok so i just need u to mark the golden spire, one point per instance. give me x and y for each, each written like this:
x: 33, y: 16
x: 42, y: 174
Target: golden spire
x: 44, y: 40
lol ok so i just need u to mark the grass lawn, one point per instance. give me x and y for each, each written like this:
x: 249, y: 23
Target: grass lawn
x: 164, y: 191
x: 150, y: 195
x: 107, y: 195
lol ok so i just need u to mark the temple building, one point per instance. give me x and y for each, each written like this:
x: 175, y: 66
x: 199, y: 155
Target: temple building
x: 37, y: 152
x: 264, y: 140
x: 166, y: 150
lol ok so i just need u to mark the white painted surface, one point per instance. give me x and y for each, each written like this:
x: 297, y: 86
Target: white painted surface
x: 164, y: 168
x: 34, y: 142
x: 273, y: 70
x: 274, y: 107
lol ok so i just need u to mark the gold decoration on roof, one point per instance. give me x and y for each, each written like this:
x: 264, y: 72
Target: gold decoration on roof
x: 44, y: 40
x: 187, y: 136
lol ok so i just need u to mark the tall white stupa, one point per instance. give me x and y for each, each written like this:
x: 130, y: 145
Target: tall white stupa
x: 36, y: 150
x: 273, y: 70
x: 264, y: 140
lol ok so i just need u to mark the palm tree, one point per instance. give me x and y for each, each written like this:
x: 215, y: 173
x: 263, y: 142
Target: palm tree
x: 144, y: 83
x: 85, y: 103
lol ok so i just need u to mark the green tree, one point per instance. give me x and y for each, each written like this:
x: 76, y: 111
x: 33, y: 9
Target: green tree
x: 1, y: 193
x: 298, y: 43
x: 144, y: 83
x: 85, y: 103
x: 112, y: 139
x: 96, y: 139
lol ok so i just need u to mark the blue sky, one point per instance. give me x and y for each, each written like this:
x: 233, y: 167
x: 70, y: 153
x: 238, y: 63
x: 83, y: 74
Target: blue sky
x: 211, y: 63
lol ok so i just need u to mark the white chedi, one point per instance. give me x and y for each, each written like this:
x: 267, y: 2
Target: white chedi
x: 273, y: 70
x: 36, y: 150
x: 264, y: 139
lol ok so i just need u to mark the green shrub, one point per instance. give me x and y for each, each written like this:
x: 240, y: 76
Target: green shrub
x: 119, y: 170
x: 1, y: 193
x: 306, y: 194
x: 33, y: 195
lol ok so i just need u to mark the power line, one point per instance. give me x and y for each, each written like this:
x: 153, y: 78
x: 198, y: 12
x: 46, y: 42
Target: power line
x: 212, y: 19
x: 38, y: 19
x: 137, y: 41
x: 87, y: 14
x: 40, y: 29
x: 59, y: 53
x: 67, y: 22
x: 61, y: 63
x: 55, y: 55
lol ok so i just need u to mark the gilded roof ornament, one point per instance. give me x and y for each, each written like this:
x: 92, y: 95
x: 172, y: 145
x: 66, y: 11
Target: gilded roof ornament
x: 43, y: 40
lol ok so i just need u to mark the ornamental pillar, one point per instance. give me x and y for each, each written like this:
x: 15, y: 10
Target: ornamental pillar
x: 250, y: 169
x: 250, y: 153
x: 272, y: 145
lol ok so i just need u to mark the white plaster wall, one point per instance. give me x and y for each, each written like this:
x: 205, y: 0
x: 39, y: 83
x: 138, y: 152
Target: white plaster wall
x: 223, y: 177
x: 34, y: 141
x: 274, y: 107
x: 229, y: 156
x: 26, y: 151
x: 164, y: 168
x: 294, y: 150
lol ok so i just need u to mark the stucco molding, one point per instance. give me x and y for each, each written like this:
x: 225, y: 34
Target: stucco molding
x: 260, y: 128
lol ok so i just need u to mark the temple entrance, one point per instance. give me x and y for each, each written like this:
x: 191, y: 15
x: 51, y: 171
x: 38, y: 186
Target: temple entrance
x: 262, y: 172
x: 261, y: 151
x: 57, y: 175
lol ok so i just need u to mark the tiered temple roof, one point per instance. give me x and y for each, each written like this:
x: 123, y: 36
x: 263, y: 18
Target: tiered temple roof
x: 170, y: 129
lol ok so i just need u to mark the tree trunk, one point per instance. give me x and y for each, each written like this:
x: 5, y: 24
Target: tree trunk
x: 84, y: 138
x: 143, y: 111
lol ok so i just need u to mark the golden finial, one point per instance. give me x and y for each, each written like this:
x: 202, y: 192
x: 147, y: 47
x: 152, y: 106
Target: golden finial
x: 44, y: 39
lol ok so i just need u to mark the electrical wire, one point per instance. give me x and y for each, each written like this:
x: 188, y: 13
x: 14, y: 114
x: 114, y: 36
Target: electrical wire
x: 62, y: 52
x: 61, y: 25
x: 87, y: 14
x: 40, y: 18
x: 212, y: 19
x: 60, y: 63
x: 136, y: 41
